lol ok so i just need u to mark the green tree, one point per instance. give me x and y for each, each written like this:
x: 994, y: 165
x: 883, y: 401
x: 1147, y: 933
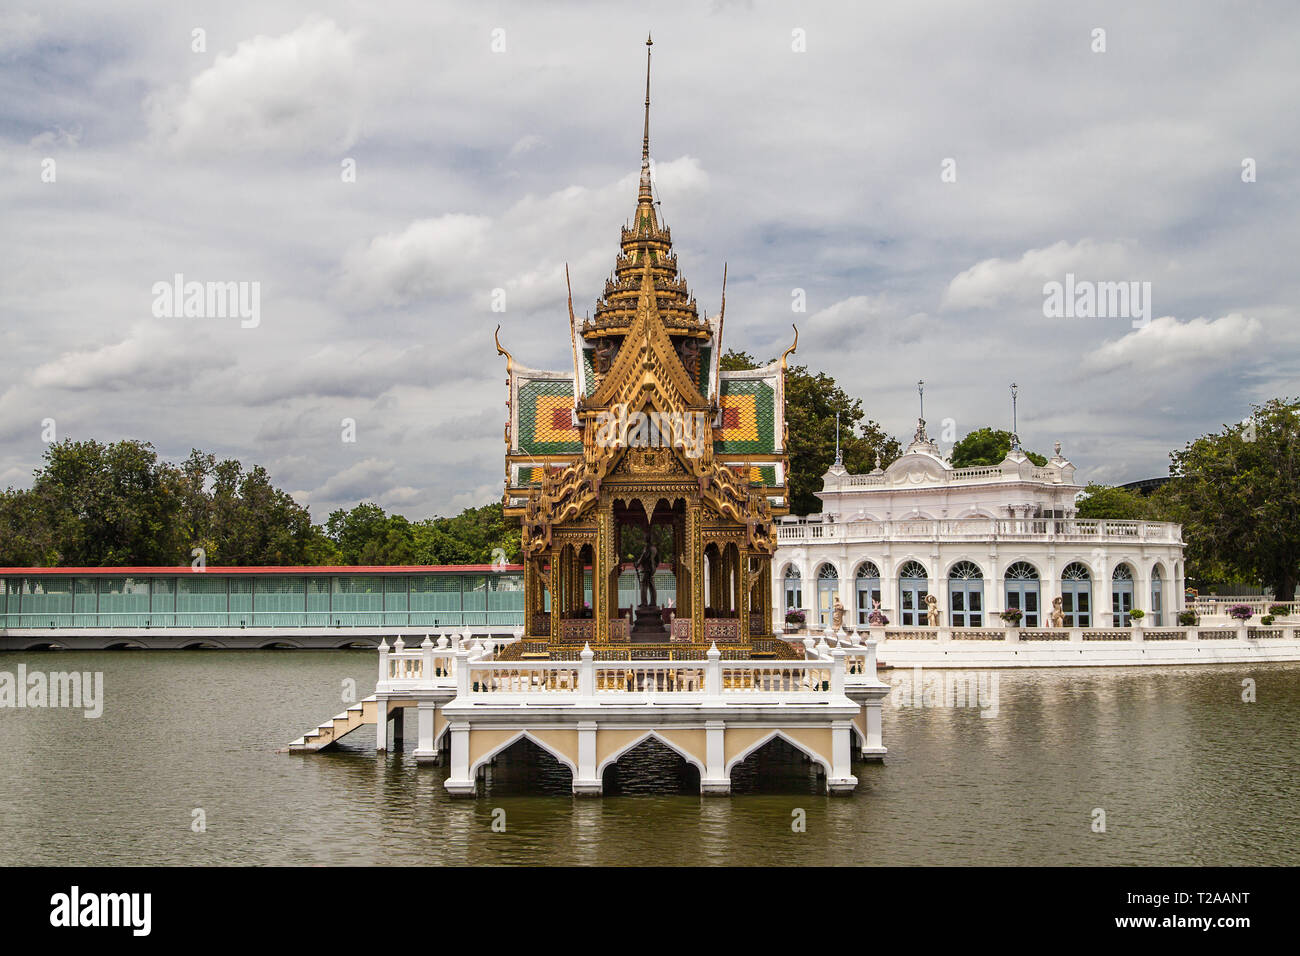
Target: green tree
x: 255, y: 523
x: 1237, y: 495
x: 27, y: 536
x: 1104, y: 501
x: 811, y: 401
x: 985, y: 447
x: 475, y: 536
x: 108, y: 505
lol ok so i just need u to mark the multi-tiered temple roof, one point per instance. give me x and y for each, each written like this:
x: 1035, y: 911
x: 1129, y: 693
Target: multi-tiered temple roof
x: 646, y: 294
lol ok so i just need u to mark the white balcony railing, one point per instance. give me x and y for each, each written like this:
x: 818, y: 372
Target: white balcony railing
x: 982, y: 529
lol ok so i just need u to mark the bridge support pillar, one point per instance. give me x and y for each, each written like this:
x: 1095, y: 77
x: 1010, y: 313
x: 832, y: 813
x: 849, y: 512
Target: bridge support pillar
x: 426, y: 748
x: 715, y: 781
x: 841, y: 780
x: 585, y: 781
x: 460, y: 783
x: 381, y: 725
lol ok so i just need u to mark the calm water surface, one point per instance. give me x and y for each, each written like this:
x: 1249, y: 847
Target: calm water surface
x: 1186, y: 773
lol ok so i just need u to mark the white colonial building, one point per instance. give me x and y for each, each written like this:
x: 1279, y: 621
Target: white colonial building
x: 982, y: 540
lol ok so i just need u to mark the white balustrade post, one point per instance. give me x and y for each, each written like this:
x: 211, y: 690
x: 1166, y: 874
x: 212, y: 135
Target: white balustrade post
x: 837, y: 672
x: 1242, y: 635
x: 462, y: 673
x: 383, y: 660
x: 823, y: 650
x: 426, y: 658
x: 871, y: 674
x: 1138, y: 635
x: 713, y: 672
x: 587, y: 672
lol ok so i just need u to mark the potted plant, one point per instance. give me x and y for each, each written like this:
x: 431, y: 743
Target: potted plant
x: 1011, y: 616
x: 1241, y: 612
x: 1136, y: 614
x: 1267, y: 619
x: 1188, y: 618
x: 1277, y: 610
x: 794, y: 620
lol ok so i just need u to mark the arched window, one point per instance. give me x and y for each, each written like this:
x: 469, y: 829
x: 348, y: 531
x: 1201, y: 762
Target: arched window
x: 828, y: 585
x: 966, y: 595
x: 913, y: 586
x: 868, y: 586
x: 1076, y: 595
x: 1022, y: 591
x: 1121, y: 595
x: 1157, y: 612
x: 793, y: 592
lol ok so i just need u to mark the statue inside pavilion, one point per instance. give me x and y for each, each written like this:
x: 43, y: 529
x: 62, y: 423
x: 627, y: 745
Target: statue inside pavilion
x: 646, y: 479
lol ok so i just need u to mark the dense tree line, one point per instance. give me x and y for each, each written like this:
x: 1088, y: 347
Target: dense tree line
x: 119, y: 504
x: 1235, y: 492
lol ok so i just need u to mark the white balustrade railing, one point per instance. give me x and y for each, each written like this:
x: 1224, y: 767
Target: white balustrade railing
x: 1259, y: 606
x: 927, y: 529
x: 435, y: 662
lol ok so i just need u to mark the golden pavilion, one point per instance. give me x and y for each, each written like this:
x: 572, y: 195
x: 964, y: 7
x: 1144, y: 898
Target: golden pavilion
x: 647, y: 462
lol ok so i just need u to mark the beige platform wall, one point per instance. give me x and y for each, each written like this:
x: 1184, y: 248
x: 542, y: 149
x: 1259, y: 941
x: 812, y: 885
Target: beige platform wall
x: 814, y: 741
x: 562, y: 743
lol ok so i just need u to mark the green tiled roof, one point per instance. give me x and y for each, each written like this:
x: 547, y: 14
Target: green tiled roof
x: 748, y: 418
x: 544, y: 424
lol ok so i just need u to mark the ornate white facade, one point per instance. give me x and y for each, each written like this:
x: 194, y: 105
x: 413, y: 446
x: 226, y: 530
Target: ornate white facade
x: 981, y: 540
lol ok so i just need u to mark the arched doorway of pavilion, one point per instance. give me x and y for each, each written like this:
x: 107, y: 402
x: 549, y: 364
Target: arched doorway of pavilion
x: 650, y: 579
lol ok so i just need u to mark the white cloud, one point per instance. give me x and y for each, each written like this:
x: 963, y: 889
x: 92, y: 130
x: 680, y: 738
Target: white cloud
x: 1167, y: 343
x: 357, y: 482
x: 297, y: 91
x: 429, y: 257
x: 153, y: 355
x: 996, y: 282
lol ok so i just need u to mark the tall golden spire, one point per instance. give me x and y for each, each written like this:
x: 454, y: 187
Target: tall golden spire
x: 645, y: 195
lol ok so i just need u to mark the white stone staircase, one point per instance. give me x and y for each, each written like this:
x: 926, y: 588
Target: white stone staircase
x: 333, y: 730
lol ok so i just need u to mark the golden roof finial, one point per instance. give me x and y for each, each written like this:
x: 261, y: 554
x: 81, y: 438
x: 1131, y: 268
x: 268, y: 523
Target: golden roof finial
x: 793, y: 345
x: 645, y: 193
x: 501, y: 350
x: 573, y: 340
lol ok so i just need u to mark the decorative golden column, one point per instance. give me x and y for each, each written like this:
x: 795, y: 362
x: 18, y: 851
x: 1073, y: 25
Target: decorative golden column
x: 695, y: 539
x: 556, y: 598
x: 742, y: 595
x: 601, y: 563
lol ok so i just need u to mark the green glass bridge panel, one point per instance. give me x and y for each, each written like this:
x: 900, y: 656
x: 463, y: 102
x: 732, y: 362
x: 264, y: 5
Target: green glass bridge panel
x: 123, y: 602
x: 318, y: 601
x: 358, y: 600
x: 46, y: 602
x: 435, y: 600
x: 280, y: 602
x: 85, y: 603
x: 162, y: 602
x: 202, y: 601
x: 241, y: 602
x: 474, y: 590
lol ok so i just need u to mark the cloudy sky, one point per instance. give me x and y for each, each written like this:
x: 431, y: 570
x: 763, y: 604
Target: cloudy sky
x: 804, y: 144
